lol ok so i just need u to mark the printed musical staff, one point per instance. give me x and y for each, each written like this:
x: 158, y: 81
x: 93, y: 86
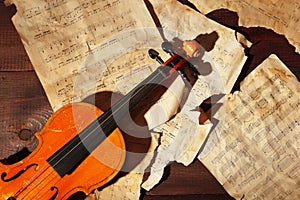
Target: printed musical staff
x: 260, y: 135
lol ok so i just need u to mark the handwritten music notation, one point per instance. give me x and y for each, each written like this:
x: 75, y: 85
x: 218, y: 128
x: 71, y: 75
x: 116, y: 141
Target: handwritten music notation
x: 70, y: 50
x: 51, y: 20
x: 109, y: 80
x: 57, y: 17
x: 91, y: 7
x: 74, y: 45
x: 226, y: 52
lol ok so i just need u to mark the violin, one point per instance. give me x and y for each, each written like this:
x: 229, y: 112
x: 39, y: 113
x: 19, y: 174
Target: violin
x: 81, y: 148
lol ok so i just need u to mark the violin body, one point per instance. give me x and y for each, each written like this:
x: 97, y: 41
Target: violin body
x: 81, y: 148
x: 34, y: 178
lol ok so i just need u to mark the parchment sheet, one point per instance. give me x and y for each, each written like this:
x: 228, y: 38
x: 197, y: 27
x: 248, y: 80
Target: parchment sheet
x: 254, y: 149
x: 282, y: 16
x: 183, y: 136
x: 82, y: 47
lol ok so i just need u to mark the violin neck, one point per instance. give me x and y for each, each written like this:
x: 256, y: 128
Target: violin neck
x: 109, y: 120
x: 67, y: 158
x: 125, y: 105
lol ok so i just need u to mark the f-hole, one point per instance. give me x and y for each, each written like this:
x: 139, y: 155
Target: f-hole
x: 56, y: 193
x: 4, y: 174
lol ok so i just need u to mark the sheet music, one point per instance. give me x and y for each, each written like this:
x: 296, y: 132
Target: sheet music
x: 254, y: 149
x: 280, y: 15
x: 79, y: 47
x: 183, y: 136
x: 82, y: 47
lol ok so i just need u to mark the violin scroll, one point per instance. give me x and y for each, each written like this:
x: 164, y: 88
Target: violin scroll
x: 81, y: 159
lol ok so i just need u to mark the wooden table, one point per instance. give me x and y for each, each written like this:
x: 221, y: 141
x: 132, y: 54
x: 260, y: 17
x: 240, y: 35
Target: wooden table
x: 24, y: 107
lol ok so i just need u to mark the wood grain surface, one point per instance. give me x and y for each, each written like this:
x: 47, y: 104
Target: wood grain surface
x: 24, y: 107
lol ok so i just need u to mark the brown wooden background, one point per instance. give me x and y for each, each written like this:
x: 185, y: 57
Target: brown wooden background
x: 24, y: 108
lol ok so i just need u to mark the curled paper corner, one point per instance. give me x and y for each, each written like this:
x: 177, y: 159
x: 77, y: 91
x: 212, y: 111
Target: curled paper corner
x: 202, y: 116
x: 153, y: 180
x: 183, y: 149
x: 167, y: 106
x: 242, y: 40
x: 8, y: 2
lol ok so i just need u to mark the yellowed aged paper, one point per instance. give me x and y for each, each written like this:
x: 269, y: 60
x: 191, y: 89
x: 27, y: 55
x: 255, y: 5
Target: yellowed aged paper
x: 282, y: 16
x: 82, y: 47
x: 183, y: 136
x: 254, y: 149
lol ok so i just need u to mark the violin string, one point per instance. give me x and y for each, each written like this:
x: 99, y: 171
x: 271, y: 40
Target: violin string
x: 112, y: 114
x: 25, y: 195
x: 32, y: 180
x: 43, y: 169
x: 105, y: 120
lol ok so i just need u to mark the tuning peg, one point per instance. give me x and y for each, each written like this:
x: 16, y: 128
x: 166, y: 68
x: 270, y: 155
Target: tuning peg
x: 168, y: 47
x: 155, y: 55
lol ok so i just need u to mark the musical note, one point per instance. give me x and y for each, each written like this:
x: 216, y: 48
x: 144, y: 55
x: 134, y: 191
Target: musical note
x: 268, y: 151
x: 32, y: 12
